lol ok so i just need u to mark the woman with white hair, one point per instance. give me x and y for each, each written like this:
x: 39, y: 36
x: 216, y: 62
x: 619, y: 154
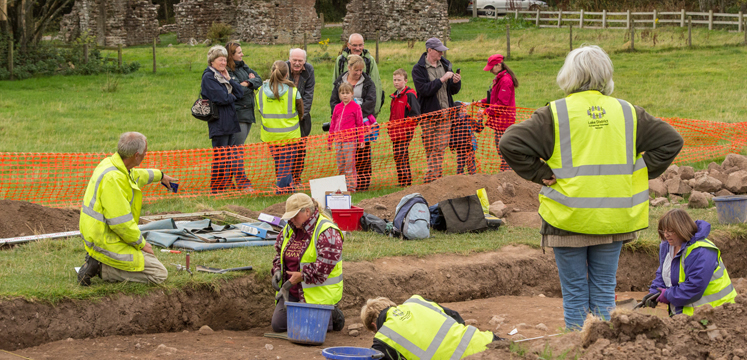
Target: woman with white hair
x: 218, y: 87
x: 594, y: 155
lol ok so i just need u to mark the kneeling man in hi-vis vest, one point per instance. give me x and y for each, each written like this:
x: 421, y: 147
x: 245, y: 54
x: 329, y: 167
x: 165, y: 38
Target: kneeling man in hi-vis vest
x: 421, y: 329
x: 110, y: 215
x: 308, y: 262
x: 594, y: 154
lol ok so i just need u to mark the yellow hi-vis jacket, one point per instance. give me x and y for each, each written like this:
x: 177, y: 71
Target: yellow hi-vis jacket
x: 420, y: 329
x: 111, y: 211
x: 719, y: 290
x: 279, y: 116
x: 330, y: 291
x: 602, y: 183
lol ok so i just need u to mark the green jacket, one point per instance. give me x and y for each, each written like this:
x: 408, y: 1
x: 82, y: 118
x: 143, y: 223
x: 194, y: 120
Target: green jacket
x: 245, y: 105
x: 371, y: 69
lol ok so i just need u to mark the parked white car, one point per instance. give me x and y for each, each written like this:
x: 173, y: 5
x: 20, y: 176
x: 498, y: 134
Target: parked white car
x: 490, y: 7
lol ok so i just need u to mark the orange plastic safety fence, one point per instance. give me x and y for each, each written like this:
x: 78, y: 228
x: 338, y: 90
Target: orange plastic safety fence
x: 458, y: 140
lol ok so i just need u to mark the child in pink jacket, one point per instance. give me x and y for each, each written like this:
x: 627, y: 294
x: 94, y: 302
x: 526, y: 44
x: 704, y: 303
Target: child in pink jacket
x: 346, y: 118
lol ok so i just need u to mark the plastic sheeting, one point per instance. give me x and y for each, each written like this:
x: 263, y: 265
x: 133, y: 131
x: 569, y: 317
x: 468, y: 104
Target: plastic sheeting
x: 198, y: 235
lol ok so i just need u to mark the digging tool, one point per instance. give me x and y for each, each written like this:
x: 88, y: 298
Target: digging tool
x: 221, y: 271
x: 284, y: 292
x: 539, y: 337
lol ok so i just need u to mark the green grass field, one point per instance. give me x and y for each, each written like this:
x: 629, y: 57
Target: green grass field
x: 74, y: 114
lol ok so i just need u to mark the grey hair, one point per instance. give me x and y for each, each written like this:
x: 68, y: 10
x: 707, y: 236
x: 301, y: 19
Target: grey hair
x: 131, y: 143
x: 350, y: 38
x: 586, y: 68
x: 297, y: 49
x: 216, y: 52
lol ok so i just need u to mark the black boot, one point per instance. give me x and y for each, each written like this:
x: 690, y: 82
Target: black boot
x: 338, y: 319
x: 90, y: 268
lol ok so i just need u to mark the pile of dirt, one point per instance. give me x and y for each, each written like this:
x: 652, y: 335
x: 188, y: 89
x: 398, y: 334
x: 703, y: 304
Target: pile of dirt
x: 20, y: 218
x: 519, y: 196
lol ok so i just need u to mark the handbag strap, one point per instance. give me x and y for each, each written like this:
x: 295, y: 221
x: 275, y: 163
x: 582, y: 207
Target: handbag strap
x: 469, y: 204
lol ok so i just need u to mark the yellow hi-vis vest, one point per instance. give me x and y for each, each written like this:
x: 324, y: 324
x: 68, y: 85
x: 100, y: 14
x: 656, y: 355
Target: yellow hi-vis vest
x: 420, y: 329
x: 330, y: 291
x: 111, y: 211
x: 279, y: 116
x: 719, y: 290
x: 602, y: 183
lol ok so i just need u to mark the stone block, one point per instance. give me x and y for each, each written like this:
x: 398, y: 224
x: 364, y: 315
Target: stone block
x: 735, y: 160
x: 699, y: 174
x: 660, y: 201
x: 732, y: 169
x: 714, y: 166
x: 657, y: 187
x: 497, y: 208
x: 670, y: 172
x: 724, y: 192
x: 707, y: 184
x: 674, y: 199
x: 687, y: 173
x: 737, y: 182
x: 718, y: 175
x: 698, y: 200
x: 676, y: 186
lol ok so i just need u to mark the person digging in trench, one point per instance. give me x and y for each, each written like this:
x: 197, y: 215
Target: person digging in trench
x: 307, y: 266
x: 110, y: 214
x: 421, y: 329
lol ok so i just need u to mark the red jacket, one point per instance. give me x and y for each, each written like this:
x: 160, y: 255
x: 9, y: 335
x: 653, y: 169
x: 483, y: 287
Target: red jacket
x: 404, y: 106
x: 502, y: 93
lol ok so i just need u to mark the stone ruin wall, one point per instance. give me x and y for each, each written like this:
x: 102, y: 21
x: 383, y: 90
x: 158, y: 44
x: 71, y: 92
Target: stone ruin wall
x: 126, y: 22
x: 397, y: 19
x: 255, y: 21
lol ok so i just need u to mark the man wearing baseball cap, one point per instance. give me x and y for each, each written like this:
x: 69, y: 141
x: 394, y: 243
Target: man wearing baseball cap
x: 299, y: 275
x: 435, y: 83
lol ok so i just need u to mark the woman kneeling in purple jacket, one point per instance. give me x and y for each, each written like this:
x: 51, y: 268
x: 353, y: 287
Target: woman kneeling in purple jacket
x: 691, y: 272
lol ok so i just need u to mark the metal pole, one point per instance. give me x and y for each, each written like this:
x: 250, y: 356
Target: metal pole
x: 632, y: 35
x: 10, y: 58
x: 154, y: 54
x: 378, y: 36
x: 690, y: 31
x: 570, y: 35
x: 119, y: 55
x: 508, y: 41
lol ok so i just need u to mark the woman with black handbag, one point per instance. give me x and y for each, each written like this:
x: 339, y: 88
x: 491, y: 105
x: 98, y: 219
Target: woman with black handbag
x: 223, y: 92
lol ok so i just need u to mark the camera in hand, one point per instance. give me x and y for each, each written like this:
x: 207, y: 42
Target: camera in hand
x: 325, y: 127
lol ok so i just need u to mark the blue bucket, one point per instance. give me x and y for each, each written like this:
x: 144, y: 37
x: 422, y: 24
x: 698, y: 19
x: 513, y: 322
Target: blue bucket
x: 351, y: 353
x: 731, y: 209
x: 307, y: 323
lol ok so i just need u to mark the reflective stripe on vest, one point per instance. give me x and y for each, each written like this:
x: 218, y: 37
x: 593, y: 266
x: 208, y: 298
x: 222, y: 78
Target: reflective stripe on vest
x: 577, y: 202
x: 289, y: 115
x: 278, y: 123
x: 88, y: 209
x: 107, y: 253
x: 720, y: 290
x: 437, y: 340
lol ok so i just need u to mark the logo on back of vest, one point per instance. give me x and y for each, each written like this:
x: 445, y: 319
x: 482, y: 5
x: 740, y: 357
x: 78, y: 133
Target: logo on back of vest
x: 596, y: 113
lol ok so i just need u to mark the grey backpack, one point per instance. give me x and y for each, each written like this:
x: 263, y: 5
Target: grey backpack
x: 412, y: 218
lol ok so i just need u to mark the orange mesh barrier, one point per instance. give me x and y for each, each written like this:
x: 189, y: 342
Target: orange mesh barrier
x: 60, y: 179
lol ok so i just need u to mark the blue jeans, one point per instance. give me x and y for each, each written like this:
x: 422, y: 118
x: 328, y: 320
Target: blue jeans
x: 285, y: 158
x: 588, y: 280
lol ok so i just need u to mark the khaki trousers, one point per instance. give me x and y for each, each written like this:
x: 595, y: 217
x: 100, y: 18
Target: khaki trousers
x: 435, y: 140
x: 154, y: 272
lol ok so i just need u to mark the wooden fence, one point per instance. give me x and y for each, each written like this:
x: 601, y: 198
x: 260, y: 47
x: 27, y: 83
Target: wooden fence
x: 623, y: 20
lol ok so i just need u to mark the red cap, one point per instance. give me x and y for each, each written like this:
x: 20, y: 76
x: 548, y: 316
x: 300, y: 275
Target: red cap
x: 493, y: 60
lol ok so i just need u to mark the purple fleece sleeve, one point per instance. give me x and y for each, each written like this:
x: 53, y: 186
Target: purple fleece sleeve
x: 699, y: 267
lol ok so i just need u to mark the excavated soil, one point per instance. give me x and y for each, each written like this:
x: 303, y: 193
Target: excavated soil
x: 20, y: 218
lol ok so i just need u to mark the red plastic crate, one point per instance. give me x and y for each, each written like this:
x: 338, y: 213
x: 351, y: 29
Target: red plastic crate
x: 348, y: 219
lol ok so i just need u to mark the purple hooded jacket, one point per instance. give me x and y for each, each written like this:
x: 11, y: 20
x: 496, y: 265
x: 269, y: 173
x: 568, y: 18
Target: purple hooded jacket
x: 699, y: 267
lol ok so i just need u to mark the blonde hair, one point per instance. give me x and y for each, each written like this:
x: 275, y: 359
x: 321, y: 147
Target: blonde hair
x: 586, y: 68
x: 345, y: 88
x: 216, y: 52
x: 679, y: 222
x: 401, y: 72
x: 279, y: 75
x: 355, y: 61
x: 370, y: 312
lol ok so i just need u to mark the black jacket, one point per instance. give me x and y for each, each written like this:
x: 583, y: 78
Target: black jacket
x: 245, y: 105
x: 428, y: 90
x: 305, y: 87
x: 227, y: 122
x: 388, y: 351
x: 368, y: 94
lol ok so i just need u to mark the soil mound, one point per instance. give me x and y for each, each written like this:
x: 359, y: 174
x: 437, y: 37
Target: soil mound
x: 20, y: 218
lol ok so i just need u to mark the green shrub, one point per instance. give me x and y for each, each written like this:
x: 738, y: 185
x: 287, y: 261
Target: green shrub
x: 219, y: 33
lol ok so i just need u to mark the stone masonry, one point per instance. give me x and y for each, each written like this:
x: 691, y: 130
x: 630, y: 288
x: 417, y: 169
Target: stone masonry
x: 397, y: 19
x: 257, y: 21
x: 126, y: 22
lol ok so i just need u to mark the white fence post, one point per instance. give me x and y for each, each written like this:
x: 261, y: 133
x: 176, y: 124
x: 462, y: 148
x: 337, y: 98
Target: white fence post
x: 710, y: 19
x: 654, y: 18
x: 741, y: 19
x: 628, y: 21
x: 682, y: 18
x: 560, y: 16
x: 538, y: 18
x: 581, y: 19
x: 516, y: 13
x: 604, y: 19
